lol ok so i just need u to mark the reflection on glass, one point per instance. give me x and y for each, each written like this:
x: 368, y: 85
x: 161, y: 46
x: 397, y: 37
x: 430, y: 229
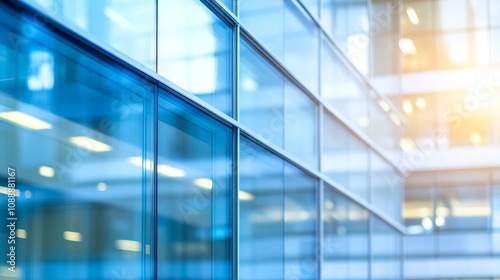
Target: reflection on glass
x: 386, y: 187
x: 386, y: 251
x: 346, y: 247
x: 418, y: 211
x: 345, y: 157
x: 276, y: 109
x: 293, y: 39
x: 347, y: 22
x: 194, y: 51
x: 128, y: 26
x: 65, y: 119
x: 194, y: 228
x: 278, y: 223
x: 343, y: 90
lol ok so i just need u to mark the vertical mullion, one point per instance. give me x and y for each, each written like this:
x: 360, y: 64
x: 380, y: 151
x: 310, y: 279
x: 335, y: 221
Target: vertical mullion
x: 235, y: 203
x: 320, y: 226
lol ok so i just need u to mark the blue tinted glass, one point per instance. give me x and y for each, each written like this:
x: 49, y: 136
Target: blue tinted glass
x: 345, y: 157
x: 65, y: 119
x: 345, y: 242
x: 277, y: 210
x: 386, y: 251
x: 385, y: 186
x: 128, y: 26
x: 194, y: 51
x: 293, y: 39
x: 276, y: 109
x: 194, y: 179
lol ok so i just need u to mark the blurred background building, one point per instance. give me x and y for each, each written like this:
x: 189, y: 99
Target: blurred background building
x: 251, y: 139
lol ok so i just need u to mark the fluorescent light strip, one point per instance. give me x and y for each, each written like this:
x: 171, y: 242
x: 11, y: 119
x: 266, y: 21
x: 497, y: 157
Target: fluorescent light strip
x: 163, y: 169
x: 90, y: 144
x: 21, y: 233
x: 72, y: 236
x: 5, y: 191
x: 46, y: 171
x: 25, y: 120
x: 128, y: 245
x: 412, y: 15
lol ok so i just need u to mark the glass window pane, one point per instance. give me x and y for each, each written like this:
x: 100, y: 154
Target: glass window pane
x: 386, y: 251
x: 194, y: 51
x: 278, y: 210
x: 276, y: 109
x: 293, y: 40
x: 386, y: 185
x: 261, y: 225
x: 418, y: 210
x: 345, y: 157
x: 496, y: 199
x: 194, y: 178
x: 342, y: 89
x: 128, y: 26
x: 65, y: 119
x: 346, y: 247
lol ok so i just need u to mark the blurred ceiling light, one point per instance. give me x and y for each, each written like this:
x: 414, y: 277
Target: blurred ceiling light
x: 102, y: 186
x: 90, y: 144
x: 25, y: 120
x: 407, y: 145
x: 128, y: 245
x: 249, y: 84
x: 442, y: 211
x: 440, y: 221
x: 118, y: 19
x: 204, y: 183
x: 72, y: 236
x: 329, y: 205
x: 407, y: 107
x: 421, y: 103
x: 242, y: 195
x: 427, y: 223
x: 170, y: 171
x: 476, y: 138
x: 27, y: 194
x: 385, y: 106
x: 46, y: 171
x: 137, y: 161
x: 412, y: 15
x: 363, y: 121
x: 407, y: 46
x: 5, y: 191
x: 21, y: 233
x: 395, y: 119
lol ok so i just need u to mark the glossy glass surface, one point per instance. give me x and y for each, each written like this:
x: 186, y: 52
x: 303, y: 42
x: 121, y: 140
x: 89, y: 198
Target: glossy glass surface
x: 83, y: 207
x: 275, y: 109
x: 346, y: 233
x: 277, y: 218
x: 386, y: 187
x: 386, y: 251
x: 128, y: 26
x: 293, y: 40
x: 345, y: 157
x: 194, y: 187
x: 194, y: 51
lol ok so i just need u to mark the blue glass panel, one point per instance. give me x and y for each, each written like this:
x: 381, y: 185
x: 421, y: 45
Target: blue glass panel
x: 194, y: 51
x: 65, y: 120
x: 128, y: 26
x: 386, y: 251
x: 194, y: 179
x: 345, y: 244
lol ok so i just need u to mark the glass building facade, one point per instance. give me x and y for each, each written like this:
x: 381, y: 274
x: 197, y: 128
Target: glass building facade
x: 202, y: 139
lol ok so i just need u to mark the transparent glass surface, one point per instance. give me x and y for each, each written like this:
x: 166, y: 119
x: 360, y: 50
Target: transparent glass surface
x: 194, y: 51
x: 346, y: 246
x: 496, y: 199
x: 386, y: 127
x: 348, y: 23
x: 194, y: 179
x: 463, y: 243
x: 418, y: 212
x: 83, y: 207
x: 343, y: 90
x: 312, y: 6
x: 386, y: 187
x: 293, y: 38
x: 345, y: 157
x: 386, y: 251
x: 276, y: 109
x: 128, y: 26
x: 277, y: 218
x: 494, y: 10
x: 420, y: 245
